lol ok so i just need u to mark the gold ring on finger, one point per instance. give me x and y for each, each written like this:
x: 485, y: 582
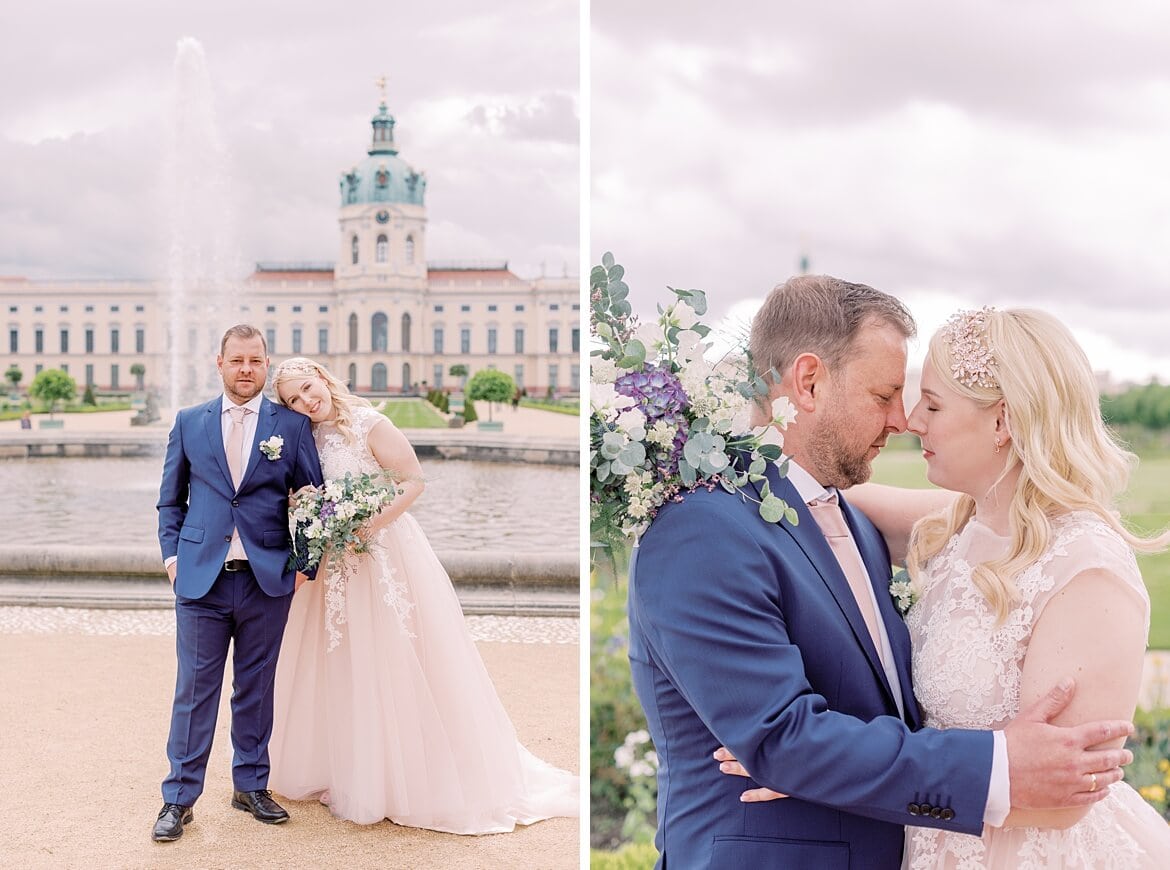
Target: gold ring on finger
x: 1093, y: 777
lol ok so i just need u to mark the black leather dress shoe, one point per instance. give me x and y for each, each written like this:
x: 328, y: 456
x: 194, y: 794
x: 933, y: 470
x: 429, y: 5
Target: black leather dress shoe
x: 170, y: 822
x: 261, y: 805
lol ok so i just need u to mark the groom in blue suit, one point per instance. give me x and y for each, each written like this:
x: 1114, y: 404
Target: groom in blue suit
x: 223, y: 526
x: 782, y: 643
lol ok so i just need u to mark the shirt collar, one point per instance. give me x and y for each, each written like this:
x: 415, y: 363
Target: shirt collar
x: 806, y: 485
x: 253, y: 404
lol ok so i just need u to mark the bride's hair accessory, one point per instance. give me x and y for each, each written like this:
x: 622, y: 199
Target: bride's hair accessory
x: 971, y: 356
x: 297, y: 366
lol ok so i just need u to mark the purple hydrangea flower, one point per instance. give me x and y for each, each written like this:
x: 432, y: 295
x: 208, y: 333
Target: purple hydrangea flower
x: 328, y: 509
x: 657, y: 391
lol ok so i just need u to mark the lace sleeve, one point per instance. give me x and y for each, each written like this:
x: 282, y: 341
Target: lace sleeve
x: 1085, y: 543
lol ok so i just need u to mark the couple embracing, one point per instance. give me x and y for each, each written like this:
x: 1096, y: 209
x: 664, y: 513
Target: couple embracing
x: 984, y: 729
x: 374, y: 699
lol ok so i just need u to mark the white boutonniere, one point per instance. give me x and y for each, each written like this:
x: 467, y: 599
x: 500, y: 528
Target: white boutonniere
x: 902, y: 591
x: 271, y: 447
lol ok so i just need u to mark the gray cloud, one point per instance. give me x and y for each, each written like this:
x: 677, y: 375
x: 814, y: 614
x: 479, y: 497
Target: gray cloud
x: 85, y: 98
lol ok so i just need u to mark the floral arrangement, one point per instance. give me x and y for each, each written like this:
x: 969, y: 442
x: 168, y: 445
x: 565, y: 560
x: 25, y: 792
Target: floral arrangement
x: 902, y: 591
x: 272, y: 447
x: 664, y: 419
x: 329, y: 517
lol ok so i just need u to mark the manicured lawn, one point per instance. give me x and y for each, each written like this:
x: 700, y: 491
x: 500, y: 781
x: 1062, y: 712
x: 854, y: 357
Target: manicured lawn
x: 1146, y: 506
x: 414, y: 414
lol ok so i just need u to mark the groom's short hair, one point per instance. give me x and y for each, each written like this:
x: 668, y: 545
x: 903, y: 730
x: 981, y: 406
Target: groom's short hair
x: 819, y: 314
x: 244, y: 331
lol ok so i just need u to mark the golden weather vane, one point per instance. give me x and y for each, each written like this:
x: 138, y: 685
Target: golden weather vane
x: 380, y: 84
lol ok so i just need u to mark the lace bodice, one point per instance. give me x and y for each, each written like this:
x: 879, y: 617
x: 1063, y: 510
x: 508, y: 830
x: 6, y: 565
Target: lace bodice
x: 967, y: 669
x: 338, y: 455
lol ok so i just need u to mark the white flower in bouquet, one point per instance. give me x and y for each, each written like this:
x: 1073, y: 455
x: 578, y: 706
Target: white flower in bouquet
x: 602, y: 371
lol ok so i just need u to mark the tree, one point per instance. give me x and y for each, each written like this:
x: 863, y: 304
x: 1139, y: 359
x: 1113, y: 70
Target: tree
x: 14, y: 376
x: 459, y: 370
x: 492, y: 386
x: 139, y: 371
x: 52, y: 386
x: 88, y: 398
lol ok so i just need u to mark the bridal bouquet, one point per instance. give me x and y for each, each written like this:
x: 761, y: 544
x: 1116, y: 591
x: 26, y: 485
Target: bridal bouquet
x: 329, y: 516
x: 664, y: 419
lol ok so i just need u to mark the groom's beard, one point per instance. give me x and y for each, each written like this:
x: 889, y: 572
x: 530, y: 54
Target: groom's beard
x: 841, y: 464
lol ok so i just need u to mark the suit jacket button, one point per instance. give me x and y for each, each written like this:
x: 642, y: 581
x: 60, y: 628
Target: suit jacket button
x: 948, y: 814
x: 227, y: 538
x: 924, y: 809
x: 235, y: 502
x: 936, y: 812
x: 914, y: 809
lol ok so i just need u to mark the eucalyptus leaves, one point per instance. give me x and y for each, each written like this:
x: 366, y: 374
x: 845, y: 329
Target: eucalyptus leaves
x: 664, y: 419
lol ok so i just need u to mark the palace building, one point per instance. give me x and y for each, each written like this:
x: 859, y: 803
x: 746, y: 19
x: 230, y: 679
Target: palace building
x: 382, y: 317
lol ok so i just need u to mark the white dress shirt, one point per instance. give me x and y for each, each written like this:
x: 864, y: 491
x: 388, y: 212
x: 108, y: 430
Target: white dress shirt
x: 236, y: 548
x: 999, y: 788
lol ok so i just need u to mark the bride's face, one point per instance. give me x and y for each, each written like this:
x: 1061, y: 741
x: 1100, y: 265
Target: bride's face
x: 958, y: 437
x: 308, y: 396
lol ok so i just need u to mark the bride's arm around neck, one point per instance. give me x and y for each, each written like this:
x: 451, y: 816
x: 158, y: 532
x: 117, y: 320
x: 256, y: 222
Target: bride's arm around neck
x: 394, y: 453
x: 895, y: 510
x: 1093, y: 630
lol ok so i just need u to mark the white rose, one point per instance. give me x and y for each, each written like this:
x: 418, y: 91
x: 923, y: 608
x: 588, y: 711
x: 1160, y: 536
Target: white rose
x: 632, y: 419
x: 602, y: 371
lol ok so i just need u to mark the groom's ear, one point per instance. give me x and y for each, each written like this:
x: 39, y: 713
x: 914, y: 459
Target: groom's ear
x: 807, y: 374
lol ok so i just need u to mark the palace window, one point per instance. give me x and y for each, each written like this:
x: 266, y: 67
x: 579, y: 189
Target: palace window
x: 406, y: 332
x: 519, y: 339
x: 378, y: 378
x: 39, y: 341
x: 296, y: 340
x: 352, y: 376
x: 323, y: 339
x: 438, y: 339
x: 353, y: 333
x: 140, y: 340
x: 438, y: 376
x: 491, y: 339
x: 410, y: 250
x: 64, y: 341
x: 553, y: 336
x: 115, y: 340
x: 379, y: 330
x: 381, y: 249
x: 576, y: 338
x: 13, y: 340
x: 353, y: 250
x: 270, y: 339
x: 465, y: 340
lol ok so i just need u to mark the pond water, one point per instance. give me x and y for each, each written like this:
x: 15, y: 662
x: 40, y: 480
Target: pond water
x: 466, y: 506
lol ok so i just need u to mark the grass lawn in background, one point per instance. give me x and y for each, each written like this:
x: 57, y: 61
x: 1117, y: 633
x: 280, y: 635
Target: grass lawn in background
x: 1146, y: 506
x: 414, y: 414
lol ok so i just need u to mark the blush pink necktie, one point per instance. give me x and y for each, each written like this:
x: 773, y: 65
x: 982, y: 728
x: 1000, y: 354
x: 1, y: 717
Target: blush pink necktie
x: 235, y: 444
x: 827, y: 513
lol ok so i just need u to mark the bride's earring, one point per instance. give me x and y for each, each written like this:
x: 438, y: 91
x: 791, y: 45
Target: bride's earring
x: 997, y: 445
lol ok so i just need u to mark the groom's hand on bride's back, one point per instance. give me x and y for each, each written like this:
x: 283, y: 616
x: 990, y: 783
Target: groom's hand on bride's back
x: 1050, y: 766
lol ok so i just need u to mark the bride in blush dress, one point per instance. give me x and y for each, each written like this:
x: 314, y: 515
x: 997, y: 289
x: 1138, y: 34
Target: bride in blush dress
x: 383, y: 707
x: 1025, y: 578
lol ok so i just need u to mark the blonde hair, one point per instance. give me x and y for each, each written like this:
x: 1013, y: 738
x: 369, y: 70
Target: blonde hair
x: 344, y: 401
x: 1068, y: 458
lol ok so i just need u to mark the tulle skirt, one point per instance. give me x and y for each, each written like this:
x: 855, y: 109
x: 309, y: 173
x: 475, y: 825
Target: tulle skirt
x: 384, y: 709
x: 1122, y: 832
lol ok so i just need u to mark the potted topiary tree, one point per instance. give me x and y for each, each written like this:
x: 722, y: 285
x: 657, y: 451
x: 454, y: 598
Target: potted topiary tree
x: 139, y: 372
x: 491, y: 386
x: 455, y: 401
x: 52, y: 386
x: 14, y: 376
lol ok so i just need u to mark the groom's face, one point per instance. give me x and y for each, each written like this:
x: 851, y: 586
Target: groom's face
x: 863, y: 406
x: 243, y: 366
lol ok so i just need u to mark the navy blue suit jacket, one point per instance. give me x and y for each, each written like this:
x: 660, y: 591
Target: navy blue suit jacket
x: 198, y: 506
x: 746, y: 634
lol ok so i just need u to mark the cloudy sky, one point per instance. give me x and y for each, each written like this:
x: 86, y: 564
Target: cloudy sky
x: 486, y: 99
x: 957, y: 154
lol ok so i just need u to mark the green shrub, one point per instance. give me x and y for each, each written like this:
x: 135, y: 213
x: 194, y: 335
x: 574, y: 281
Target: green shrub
x: 636, y: 856
x: 52, y: 386
x: 88, y: 398
x: 469, y: 415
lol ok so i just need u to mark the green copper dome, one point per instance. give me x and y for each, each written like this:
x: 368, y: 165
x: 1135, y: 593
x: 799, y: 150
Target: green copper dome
x: 383, y: 176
